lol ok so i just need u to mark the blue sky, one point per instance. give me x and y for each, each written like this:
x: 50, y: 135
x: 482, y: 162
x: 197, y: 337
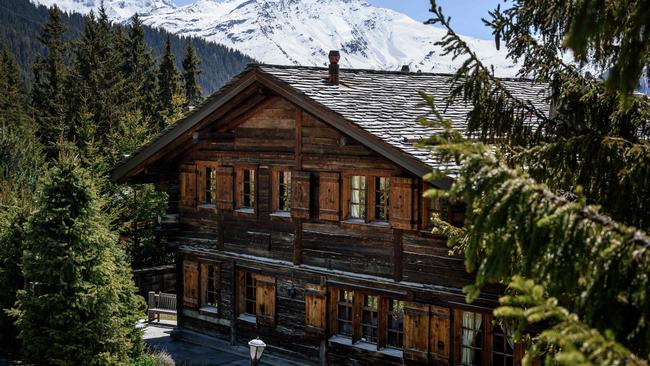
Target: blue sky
x: 465, y: 14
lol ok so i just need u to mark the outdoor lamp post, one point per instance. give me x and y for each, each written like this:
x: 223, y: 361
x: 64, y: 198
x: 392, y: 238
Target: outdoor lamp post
x: 256, y: 350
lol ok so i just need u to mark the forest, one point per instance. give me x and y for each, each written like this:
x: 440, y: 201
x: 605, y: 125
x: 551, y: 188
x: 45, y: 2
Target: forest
x: 21, y: 23
x: 94, y: 92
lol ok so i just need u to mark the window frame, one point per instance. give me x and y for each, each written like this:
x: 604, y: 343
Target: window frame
x: 241, y: 206
x: 357, y: 307
x: 277, y: 182
x: 249, y: 283
x: 369, y: 203
x: 372, y: 336
x: 399, y: 332
x: 204, y: 288
x: 376, y: 190
x: 450, y: 212
x: 488, y: 336
x: 363, y: 198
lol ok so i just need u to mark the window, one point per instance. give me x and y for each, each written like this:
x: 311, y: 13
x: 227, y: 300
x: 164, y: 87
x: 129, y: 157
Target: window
x: 346, y: 301
x: 382, y: 197
x: 256, y: 297
x: 369, y: 319
x: 471, y: 343
x: 246, y: 189
x: 250, y: 294
x: 358, y: 197
x: 282, y: 191
x: 210, y: 286
x: 248, y: 200
x: 210, y: 186
x: 212, y: 292
x: 502, y: 348
x: 438, y: 206
x: 395, y: 323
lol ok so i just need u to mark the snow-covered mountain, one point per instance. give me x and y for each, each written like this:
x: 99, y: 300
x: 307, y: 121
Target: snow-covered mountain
x: 302, y: 32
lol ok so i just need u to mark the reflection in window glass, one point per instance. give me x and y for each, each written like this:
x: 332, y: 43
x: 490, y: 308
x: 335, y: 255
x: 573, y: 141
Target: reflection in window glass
x: 382, y: 194
x: 212, y: 295
x: 502, y: 348
x: 395, y: 323
x: 471, y: 347
x: 346, y: 300
x: 369, y: 319
x: 358, y: 197
x: 210, y: 185
x: 250, y: 294
x: 249, y: 188
x: 285, y: 191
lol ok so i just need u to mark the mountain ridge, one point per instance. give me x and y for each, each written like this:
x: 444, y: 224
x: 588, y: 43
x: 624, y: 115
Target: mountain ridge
x: 301, y: 32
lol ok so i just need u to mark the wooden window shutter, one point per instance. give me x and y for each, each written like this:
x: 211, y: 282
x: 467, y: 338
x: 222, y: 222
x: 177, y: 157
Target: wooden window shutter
x: 316, y: 307
x: 241, y: 292
x: 300, y: 194
x: 225, y: 196
x: 328, y: 200
x: 190, y: 284
x: 440, y: 335
x: 265, y: 299
x: 401, y: 203
x: 519, y: 353
x: 334, y: 311
x: 188, y: 185
x: 416, y: 332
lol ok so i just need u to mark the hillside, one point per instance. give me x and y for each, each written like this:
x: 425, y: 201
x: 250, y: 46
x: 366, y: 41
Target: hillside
x: 21, y: 23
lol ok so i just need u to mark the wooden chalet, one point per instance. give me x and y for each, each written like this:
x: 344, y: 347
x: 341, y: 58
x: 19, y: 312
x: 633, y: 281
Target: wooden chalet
x: 296, y: 209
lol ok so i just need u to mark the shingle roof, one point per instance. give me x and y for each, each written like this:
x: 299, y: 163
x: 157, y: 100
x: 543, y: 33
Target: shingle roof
x: 386, y: 104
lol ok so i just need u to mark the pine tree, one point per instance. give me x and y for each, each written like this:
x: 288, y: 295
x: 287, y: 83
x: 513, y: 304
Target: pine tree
x: 20, y: 150
x: 48, y: 91
x: 80, y: 307
x: 170, y: 98
x: 140, y: 71
x: 556, y: 196
x: 191, y: 73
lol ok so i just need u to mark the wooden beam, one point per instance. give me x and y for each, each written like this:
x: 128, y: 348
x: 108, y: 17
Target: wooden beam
x: 297, y: 243
x: 298, y: 141
x: 398, y: 251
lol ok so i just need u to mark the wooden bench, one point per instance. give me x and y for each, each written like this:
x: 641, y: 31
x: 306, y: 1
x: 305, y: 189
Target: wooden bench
x: 161, y: 303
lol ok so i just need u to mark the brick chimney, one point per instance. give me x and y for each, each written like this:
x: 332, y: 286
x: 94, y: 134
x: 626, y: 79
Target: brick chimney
x: 334, y: 57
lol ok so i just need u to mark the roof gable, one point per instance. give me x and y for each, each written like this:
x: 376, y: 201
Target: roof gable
x: 379, y: 109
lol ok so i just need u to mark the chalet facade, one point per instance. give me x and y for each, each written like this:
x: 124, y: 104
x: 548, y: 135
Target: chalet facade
x: 296, y: 209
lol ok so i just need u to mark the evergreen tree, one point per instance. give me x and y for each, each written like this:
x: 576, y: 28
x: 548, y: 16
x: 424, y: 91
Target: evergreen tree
x: 20, y: 151
x: 191, y: 73
x: 50, y: 73
x: 12, y: 219
x: 80, y: 307
x: 557, y: 195
x: 170, y: 98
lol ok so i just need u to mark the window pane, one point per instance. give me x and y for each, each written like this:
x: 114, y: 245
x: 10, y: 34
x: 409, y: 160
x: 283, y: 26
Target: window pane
x: 345, y: 312
x: 395, y: 323
x: 210, y: 181
x: 471, y: 347
x: 382, y: 194
x: 285, y: 191
x: 358, y: 197
x: 248, y: 191
x: 369, y: 319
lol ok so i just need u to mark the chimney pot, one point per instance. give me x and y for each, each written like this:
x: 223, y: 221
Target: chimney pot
x: 334, y: 57
x: 406, y: 69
